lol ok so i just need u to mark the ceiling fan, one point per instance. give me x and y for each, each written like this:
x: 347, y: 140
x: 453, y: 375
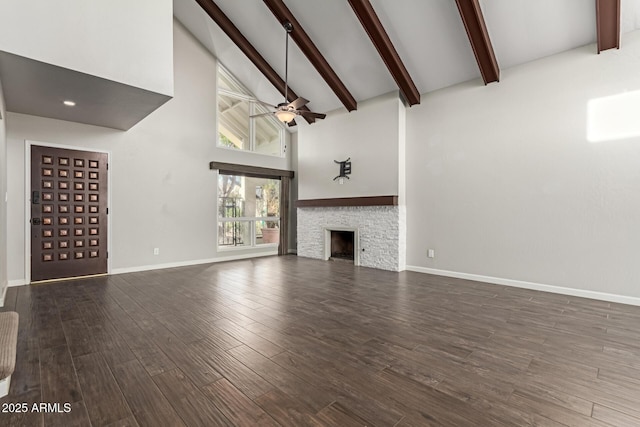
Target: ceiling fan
x: 286, y: 112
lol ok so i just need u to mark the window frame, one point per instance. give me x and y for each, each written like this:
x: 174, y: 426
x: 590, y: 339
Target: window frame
x: 252, y: 220
x: 252, y: 233
x: 285, y: 177
x: 254, y: 108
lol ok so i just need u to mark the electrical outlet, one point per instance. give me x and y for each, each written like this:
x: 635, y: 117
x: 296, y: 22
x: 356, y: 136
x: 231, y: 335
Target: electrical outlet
x: 156, y: 251
x: 431, y: 253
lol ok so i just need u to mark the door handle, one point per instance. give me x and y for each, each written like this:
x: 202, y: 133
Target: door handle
x: 35, y: 197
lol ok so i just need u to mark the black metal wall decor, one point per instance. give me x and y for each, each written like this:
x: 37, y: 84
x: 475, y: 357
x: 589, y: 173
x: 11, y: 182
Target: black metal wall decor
x: 345, y: 169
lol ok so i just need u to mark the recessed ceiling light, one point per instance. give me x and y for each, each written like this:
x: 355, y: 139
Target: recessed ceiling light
x: 69, y: 103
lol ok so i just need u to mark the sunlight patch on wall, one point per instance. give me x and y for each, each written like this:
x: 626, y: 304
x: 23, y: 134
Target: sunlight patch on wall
x: 613, y: 118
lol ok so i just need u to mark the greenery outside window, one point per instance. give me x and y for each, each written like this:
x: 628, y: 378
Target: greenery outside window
x: 248, y: 212
x: 236, y: 128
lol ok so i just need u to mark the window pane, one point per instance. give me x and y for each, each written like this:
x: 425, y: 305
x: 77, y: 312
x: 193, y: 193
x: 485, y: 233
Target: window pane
x: 236, y: 128
x: 267, y: 193
x: 257, y: 201
x: 230, y: 207
x: 233, y: 122
x: 267, y: 232
x: 234, y: 233
x: 231, y: 198
x: 267, y: 136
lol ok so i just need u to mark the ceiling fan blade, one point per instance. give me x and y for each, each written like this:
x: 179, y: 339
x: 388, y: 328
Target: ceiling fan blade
x: 311, y: 114
x: 291, y: 123
x: 260, y: 115
x: 297, y: 103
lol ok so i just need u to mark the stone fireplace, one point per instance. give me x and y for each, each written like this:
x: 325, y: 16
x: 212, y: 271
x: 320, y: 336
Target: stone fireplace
x: 379, y: 233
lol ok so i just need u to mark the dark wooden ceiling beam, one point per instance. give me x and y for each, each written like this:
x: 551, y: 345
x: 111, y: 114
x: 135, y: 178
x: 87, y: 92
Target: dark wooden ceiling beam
x: 608, y: 24
x: 473, y: 21
x: 306, y: 45
x: 378, y: 35
x: 247, y: 48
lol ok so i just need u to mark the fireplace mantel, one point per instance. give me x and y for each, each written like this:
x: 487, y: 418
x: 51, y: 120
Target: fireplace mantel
x: 348, y: 201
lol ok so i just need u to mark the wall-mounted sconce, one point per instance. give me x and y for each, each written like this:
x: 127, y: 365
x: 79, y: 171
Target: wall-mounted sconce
x: 345, y: 169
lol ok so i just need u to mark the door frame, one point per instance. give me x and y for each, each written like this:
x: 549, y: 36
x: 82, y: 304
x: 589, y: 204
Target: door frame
x: 27, y: 199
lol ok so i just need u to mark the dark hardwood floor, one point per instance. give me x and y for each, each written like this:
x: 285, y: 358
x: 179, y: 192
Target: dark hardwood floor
x: 297, y: 342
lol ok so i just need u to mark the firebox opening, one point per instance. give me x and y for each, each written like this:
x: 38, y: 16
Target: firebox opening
x: 342, y: 245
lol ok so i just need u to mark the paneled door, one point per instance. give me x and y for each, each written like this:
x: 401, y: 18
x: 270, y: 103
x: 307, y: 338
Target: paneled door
x: 68, y: 213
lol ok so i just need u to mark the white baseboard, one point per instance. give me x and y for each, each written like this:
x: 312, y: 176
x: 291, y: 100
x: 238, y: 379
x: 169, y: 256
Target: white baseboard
x: 188, y: 263
x: 235, y: 257
x: 17, y: 282
x: 622, y: 299
x: 4, y: 294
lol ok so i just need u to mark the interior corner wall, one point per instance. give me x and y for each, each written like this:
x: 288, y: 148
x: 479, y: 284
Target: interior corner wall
x: 402, y: 186
x: 292, y: 148
x: 3, y: 200
x: 402, y: 153
x: 504, y: 182
x: 369, y: 136
x: 163, y: 194
x: 80, y: 35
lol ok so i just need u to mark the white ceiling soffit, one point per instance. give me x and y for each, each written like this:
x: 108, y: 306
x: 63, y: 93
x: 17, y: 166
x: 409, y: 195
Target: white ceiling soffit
x: 37, y: 88
x: 428, y: 35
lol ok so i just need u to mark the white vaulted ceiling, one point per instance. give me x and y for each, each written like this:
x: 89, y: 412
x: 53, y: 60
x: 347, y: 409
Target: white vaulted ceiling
x: 428, y: 35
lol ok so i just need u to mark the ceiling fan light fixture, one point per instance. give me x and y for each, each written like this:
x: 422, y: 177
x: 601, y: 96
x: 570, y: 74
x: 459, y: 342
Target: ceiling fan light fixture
x: 287, y: 111
x: 285, y: 116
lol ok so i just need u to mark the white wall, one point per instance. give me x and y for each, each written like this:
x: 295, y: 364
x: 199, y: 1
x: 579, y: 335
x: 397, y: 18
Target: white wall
x: 370, y: 136
x: 3, y: 204
x: 163, y: 193
x: 503, y: 182
x: 101, y: 38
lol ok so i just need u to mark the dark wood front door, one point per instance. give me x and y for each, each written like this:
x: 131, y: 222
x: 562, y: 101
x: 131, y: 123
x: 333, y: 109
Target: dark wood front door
x: 68, y: 213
